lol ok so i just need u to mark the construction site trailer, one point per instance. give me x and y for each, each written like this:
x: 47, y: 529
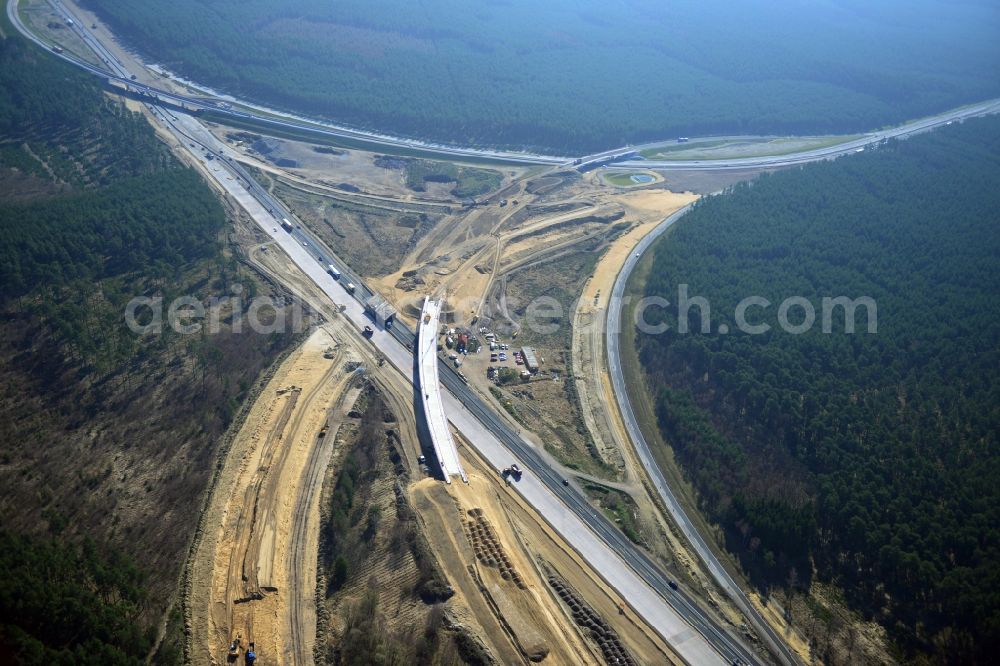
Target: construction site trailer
x: 530, y: 359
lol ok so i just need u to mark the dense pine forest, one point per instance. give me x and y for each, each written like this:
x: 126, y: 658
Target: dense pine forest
x: 108, y: 439
x: 570, y: 76
x: 866, y: 459
x: 73, y: 605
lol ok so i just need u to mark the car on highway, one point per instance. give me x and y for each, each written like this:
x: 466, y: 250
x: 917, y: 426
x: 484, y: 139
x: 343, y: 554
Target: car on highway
x: 305, y: 243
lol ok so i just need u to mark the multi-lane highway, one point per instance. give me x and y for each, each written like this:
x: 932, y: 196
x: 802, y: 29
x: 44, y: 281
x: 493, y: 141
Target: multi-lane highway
x: 244, y: 111
x: 694, y: 634
x: 697, y: 635
x: 805, y: 156
x: 115, y: 74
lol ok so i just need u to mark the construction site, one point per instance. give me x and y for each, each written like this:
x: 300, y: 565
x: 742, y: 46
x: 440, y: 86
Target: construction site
x: 288, y: 567
x: 283, y: 570
x: 445, y: 467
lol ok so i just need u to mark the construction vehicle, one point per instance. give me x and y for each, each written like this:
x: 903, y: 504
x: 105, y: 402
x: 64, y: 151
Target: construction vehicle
x: 369, y: 331
x: 512, y: 471
x: 251, y: 654
x: 350, y: 287
x: 234, y: 650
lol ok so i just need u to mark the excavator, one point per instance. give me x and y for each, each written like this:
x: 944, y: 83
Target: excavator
x: 234, y: 652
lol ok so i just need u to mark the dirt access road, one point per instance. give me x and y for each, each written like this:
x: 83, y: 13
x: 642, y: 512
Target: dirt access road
x: 604, y: 421
x: 254, y: 574
x: 500, y: 557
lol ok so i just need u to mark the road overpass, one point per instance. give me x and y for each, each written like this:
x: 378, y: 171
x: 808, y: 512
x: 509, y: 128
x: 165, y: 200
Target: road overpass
x: 223, y: 107
x: 643, y: 587
x: 430, y: 392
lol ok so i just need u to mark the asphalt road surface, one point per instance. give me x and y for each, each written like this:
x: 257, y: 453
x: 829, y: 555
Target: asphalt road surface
x: 487, y: 424
x: 643, y: 586
x: 614, y: 315
x: 249, y: 111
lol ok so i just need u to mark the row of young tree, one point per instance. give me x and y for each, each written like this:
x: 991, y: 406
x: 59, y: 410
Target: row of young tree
x: 871, y: 459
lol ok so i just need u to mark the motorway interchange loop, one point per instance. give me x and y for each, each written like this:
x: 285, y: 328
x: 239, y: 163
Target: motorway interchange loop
x: 727, y: 645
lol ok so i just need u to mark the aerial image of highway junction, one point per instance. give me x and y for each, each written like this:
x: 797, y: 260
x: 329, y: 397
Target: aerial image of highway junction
x: 458, y: 438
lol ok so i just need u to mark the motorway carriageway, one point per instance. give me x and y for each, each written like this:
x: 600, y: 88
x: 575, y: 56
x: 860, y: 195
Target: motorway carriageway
x: 612, y: 327
x: 485, y: 430
x: 641, y: 584
x: 278, y: 119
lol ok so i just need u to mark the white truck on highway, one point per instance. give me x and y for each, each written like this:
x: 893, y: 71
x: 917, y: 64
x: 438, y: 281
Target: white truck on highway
x: 334, y: 273
x: 286, y: 225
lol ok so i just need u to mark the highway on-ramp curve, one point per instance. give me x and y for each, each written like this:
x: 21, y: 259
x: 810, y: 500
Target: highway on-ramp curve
x: 696, y: 636
x: 613, y: 323
x: 802, y: 157
x: 282, y: 120
x: 490, y: 434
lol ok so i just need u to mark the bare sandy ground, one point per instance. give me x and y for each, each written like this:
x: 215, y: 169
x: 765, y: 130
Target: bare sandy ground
x: 242, y: 582
x: 603, y: 419
x: 649, y: 207
x: 507, y: 588
x: 593, y: 386
x: 215, y: 620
